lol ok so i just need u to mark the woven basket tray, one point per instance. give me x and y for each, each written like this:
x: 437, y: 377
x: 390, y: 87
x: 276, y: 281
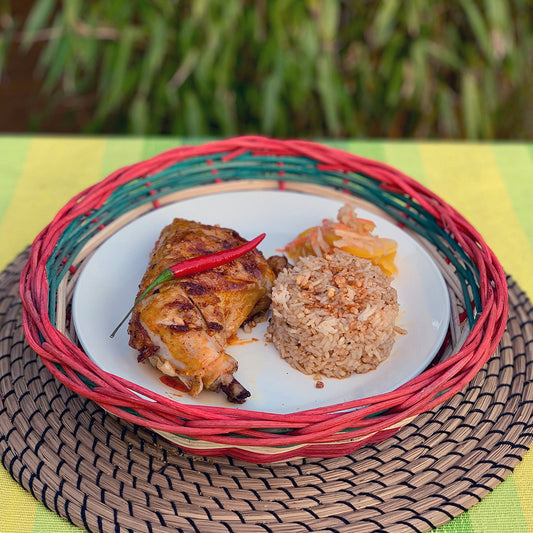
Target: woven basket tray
x: 476, y: 282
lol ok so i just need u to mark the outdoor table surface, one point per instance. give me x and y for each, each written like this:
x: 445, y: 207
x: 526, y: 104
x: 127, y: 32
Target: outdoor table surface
x: 490, y: 183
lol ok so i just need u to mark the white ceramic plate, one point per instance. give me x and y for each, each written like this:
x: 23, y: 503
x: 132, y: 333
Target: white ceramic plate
x: 108, y: 284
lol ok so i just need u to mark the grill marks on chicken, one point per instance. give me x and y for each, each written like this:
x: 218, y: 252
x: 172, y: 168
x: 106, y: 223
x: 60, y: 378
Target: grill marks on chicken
x: 183, y: 327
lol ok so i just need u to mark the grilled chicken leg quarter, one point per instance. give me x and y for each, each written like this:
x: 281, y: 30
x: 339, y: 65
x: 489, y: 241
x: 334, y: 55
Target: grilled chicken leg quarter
x: 184, y: 325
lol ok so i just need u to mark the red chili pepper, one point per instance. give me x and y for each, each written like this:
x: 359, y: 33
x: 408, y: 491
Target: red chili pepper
x: 193, y: 266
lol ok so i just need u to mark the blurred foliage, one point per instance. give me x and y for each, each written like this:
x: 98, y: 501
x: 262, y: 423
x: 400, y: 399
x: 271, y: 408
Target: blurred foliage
x: 287, y: 68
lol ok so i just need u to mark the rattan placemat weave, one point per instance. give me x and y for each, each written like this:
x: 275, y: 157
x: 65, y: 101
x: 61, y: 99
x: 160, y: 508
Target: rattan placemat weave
x: 104, y: 474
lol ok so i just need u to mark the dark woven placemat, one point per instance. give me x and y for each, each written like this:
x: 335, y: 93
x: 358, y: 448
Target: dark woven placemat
x: 106, y: 475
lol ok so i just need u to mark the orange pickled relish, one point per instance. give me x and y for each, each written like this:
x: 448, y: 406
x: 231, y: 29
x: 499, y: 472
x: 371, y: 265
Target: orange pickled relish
x: 350, y: 234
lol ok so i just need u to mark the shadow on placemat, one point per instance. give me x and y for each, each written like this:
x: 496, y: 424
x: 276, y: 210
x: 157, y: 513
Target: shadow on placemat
x: 104, y: 474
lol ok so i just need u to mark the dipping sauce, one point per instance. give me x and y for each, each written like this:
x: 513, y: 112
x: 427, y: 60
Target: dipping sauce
x: 175, y: 383
x: 233, y: 340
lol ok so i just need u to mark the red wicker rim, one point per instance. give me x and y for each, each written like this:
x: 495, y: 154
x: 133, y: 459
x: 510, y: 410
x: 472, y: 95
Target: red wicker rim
x: 333, y: 430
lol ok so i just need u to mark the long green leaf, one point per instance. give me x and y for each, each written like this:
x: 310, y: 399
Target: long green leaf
x: 327, y: 90
x: 57, y: 69
x: 72, y: 10
x: 225, y: 112
x: 498, y: 14
x: 414, y: 13
x: 445, y: 55
x: 385, y: 21
x: 479, y: 27
x: 270, y: 110
x: 193, y: 113
x: 470, y: 105
x: 139, y: 116
x: 328, y: 20
x: 37, y: 19
x: 116, y: 93
x: 448, y: 123
x: 155, y: 53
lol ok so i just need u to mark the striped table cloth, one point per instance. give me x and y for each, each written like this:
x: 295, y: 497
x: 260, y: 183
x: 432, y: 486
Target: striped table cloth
x: 490, y: 183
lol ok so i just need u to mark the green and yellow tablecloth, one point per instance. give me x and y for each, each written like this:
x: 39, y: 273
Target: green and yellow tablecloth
x: 490, y: 183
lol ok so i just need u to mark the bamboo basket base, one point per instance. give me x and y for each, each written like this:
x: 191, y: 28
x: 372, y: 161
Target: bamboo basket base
x: 104, y: 474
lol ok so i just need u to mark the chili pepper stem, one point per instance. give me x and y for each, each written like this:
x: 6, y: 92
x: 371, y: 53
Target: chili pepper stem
x: 166, y: 275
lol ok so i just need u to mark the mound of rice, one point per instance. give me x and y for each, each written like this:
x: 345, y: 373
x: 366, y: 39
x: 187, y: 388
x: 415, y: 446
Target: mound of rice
x: 333, y: 315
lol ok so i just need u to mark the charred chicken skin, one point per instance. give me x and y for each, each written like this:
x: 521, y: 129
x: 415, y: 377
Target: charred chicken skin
x: 183, y: 326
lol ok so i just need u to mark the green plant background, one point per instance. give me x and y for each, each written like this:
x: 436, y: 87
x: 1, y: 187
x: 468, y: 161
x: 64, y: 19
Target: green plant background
x: 287, y: 68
